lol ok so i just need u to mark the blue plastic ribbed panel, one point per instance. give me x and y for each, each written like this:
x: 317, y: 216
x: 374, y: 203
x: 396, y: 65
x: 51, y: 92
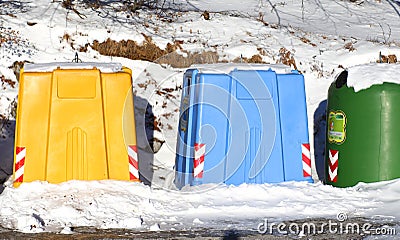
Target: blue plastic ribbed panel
x: 251, y: 123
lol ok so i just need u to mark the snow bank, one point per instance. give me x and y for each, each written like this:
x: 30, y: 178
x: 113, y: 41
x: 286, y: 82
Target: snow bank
x: 364, y: 76
x: 40, y: 206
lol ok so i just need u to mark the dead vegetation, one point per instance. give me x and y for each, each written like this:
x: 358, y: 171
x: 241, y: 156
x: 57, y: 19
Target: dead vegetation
x: 286, y: 57
x: 167, y: 93
x: 391, y: 58
x: 149, y: 51
x: 261, y: 19
x: 13, y: 44
x: 179, y: 61
x: 254, y: 59
x: 206, y: 15
x: 6, y: 82
x: 127, y: 6
x: 68, y: 39
x: 173, y: 55
x: 307, y: 41
x: 7, y: 35
x: 349, y: 46
x: 17, y: 66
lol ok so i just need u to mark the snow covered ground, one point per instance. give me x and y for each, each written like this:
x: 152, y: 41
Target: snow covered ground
x: 39, y: 206
x: 323, y: 36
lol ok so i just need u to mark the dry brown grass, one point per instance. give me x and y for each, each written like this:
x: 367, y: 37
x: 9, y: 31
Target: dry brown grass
x: 392, y: 58
x: 254, y: 59
x: 149, y: 51
x: 179, y: 61
x: 307, y: 41
x: 349, y: 46
x: 286, y: 57
x: 131, y: 49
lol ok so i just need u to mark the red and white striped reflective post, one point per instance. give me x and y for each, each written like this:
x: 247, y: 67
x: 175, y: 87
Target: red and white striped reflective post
x: 333, y: 165
x: 20, y: 154
x: 306, y: 158
x: 199, y: 152
x: 133, y: 163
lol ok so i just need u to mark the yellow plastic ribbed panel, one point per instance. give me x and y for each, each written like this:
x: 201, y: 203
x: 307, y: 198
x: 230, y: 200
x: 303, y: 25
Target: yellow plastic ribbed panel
x: 75, y: 124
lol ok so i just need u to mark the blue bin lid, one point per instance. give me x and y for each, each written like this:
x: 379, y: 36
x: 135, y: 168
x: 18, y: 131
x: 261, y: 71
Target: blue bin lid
x: 227, y: 68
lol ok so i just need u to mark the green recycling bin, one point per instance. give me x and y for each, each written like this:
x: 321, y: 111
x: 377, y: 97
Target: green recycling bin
x: 363, y: 133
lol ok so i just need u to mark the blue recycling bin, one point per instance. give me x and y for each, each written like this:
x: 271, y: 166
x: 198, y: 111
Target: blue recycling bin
x: 242, y: 124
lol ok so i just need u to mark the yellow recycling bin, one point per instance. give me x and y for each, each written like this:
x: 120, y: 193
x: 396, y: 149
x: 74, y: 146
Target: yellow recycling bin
x: 75, y: 121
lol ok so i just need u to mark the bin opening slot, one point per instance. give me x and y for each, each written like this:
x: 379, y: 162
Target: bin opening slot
x: 341, y: 80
